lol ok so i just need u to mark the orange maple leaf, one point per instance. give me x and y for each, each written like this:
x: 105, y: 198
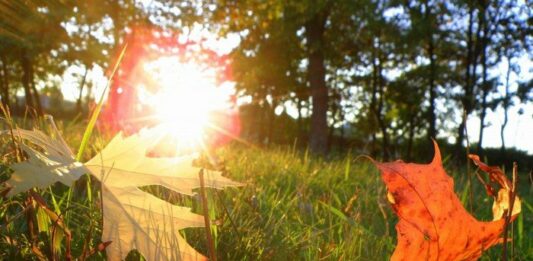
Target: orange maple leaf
x: 433, y: 224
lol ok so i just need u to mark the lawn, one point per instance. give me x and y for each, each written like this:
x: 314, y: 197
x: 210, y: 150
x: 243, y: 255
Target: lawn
x: 293, y: 206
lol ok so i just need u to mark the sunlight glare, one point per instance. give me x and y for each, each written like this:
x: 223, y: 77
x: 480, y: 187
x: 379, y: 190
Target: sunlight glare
x: 186, y: 97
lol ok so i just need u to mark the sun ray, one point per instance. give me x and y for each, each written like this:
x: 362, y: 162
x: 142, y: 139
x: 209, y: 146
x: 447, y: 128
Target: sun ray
x: 185, y: 103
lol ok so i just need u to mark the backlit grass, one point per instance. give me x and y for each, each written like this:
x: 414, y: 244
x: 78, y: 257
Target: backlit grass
x: 294, y: 206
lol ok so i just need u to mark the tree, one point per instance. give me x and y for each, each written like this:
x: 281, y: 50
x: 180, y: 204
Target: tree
x: 31, y: 43
x: 314, y: 32
x: 470, y: 63
x: 4, y: 74
x: 426, y: 37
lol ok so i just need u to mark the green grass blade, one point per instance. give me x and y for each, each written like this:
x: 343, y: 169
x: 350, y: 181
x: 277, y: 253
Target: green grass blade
x: 89, y: 130
x: 335, y: 211
x: 347, y: 166
x: 521, y: 230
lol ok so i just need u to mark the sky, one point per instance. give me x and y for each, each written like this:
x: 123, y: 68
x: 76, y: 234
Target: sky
x: 519, y: 130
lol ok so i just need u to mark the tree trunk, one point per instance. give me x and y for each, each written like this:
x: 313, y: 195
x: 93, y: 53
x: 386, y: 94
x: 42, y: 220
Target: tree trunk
x: 432, y: 118
x: 381, y: 121
x: 341, y: 136
x: 373, y: 104
x: 485, y: 92
x: 506, y: 104
x: 263, y: 118
x: 331, y: 133
x: 4, y: 81
x: 26, y: 78
x: 482, y: 116
x: 300, y: 119
x: 36, y: 96
x: 80, y: 96
x: 470, y: 71
x: 410, y: 138
x: 271, y: 119
x: 318, y: 137
x: 88, y: 95
x: 485, y: 87
x: 377, y: 101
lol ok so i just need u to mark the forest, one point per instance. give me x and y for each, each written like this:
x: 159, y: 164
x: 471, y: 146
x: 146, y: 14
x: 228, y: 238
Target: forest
x: 384, y: 75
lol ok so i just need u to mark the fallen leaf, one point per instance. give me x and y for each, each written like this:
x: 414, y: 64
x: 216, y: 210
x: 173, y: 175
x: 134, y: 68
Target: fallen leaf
x: 124, y: 163
x: 433, y: 224
x: 41, y: 169
x: 134, y: 219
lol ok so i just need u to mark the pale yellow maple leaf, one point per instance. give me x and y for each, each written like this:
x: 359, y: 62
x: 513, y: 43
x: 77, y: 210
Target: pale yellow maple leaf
x: 130, y: 166
x: 133, y: 219
x: 55, y: 164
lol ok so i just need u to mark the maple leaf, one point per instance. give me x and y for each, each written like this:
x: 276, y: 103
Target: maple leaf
x: 124, y: 164
x: 433, y: 224
x: 41, y: 169
x: 133, y: 219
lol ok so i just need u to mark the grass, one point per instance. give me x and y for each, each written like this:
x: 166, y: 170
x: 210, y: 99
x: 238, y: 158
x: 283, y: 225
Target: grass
x: 297, y: 207
x: 294, y: 206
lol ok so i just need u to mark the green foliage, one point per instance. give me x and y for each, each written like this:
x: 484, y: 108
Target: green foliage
x: 394, y: 71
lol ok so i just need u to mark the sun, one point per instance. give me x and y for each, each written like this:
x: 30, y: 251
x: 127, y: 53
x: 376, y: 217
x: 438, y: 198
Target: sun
x: 186, y: 96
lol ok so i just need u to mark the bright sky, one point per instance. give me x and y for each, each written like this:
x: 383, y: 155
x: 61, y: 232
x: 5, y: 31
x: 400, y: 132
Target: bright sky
x: 519, y: 130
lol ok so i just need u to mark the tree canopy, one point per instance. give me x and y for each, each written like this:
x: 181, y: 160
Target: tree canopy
x: 383, y: 75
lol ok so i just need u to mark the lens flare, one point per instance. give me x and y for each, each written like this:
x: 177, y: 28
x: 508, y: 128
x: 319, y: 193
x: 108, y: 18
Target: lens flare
x: 185, y: 100
x: 177, y: 83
